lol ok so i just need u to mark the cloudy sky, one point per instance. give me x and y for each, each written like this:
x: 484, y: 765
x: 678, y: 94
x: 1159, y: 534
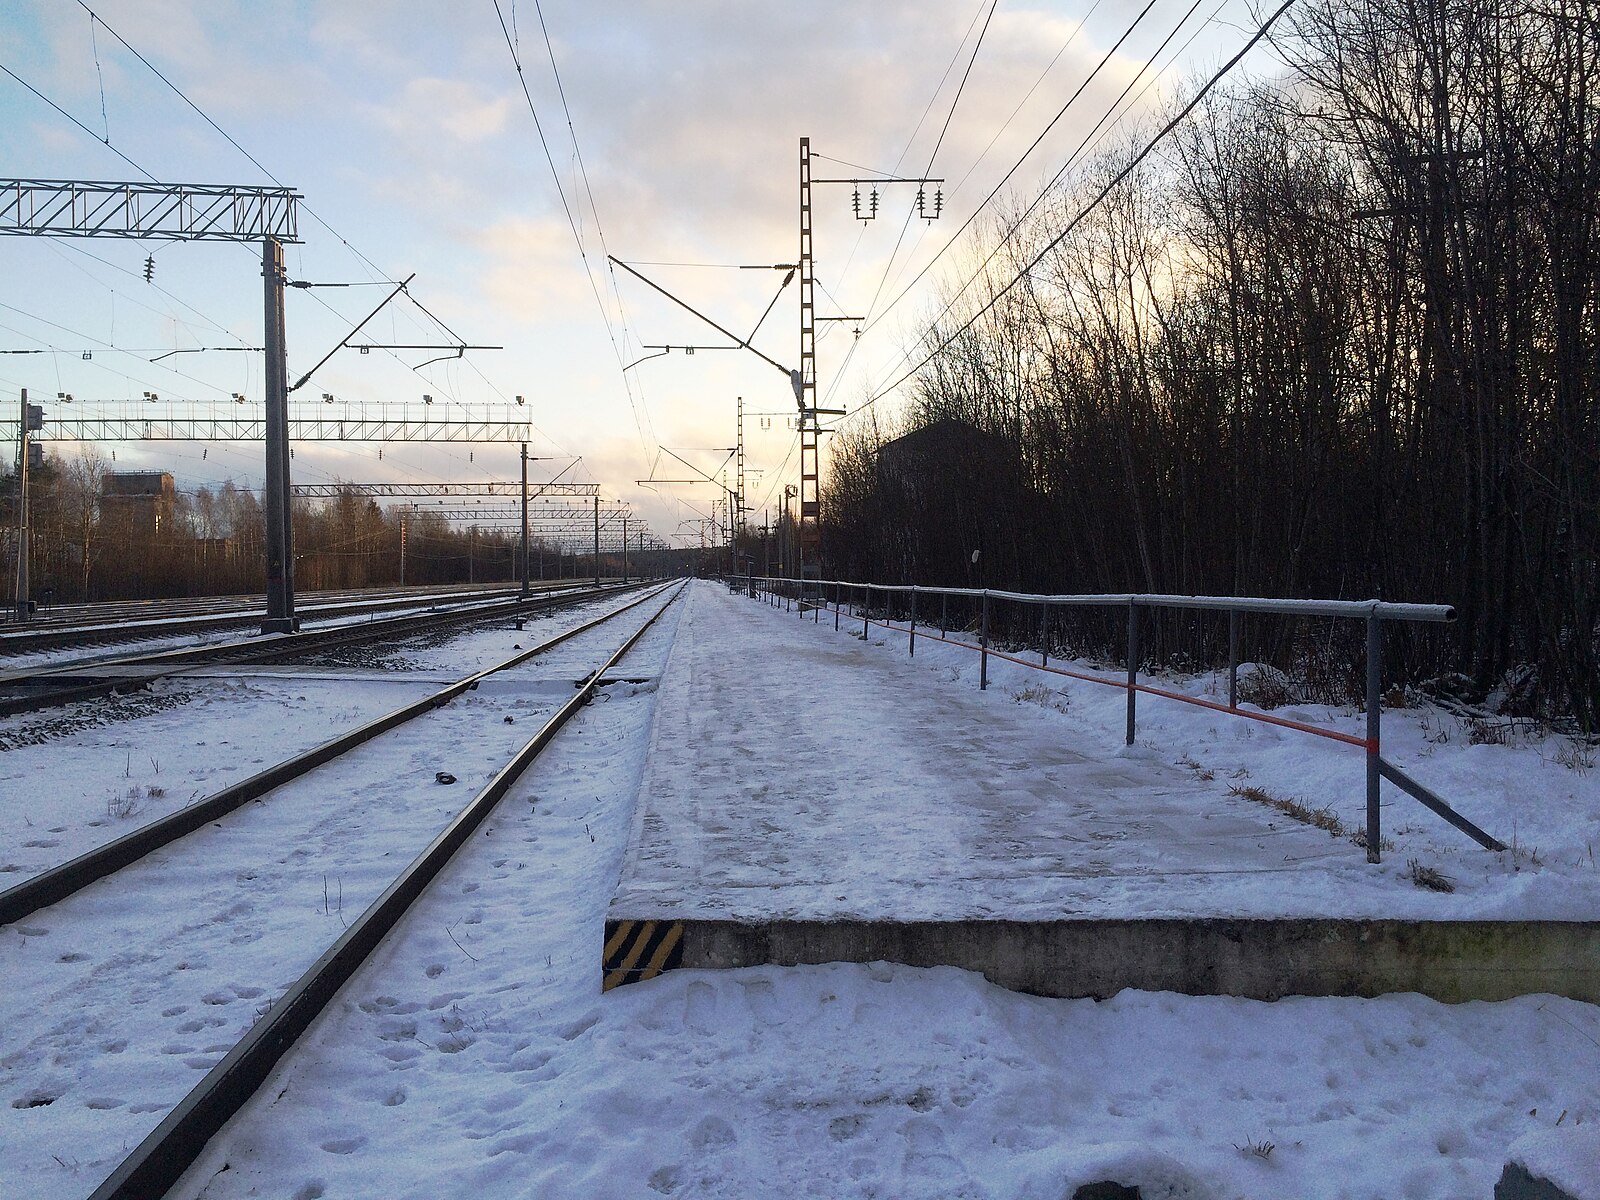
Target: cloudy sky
x: 403, y: 124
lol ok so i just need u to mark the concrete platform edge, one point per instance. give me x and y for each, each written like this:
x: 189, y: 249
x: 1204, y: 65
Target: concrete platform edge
x: 1262, y: 959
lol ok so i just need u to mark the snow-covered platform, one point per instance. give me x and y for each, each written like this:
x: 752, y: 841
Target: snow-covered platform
x: 809, y: 798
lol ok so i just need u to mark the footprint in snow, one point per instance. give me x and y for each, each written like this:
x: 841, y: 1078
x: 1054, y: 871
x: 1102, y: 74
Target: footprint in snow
x: 713, y: 1133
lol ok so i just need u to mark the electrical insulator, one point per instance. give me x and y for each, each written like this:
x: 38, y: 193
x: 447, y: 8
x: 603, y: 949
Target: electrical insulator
x: 922, y: 197
x: 938, y: 202
x: 872, y: 204
x: 149, y: 267
x: 855, y: 203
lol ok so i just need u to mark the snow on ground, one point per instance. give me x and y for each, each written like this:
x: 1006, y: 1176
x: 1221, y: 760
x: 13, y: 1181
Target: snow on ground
x: 138, y: 985
x: 844, y: 779
x: 475, y: 1056
x: 75, y: 777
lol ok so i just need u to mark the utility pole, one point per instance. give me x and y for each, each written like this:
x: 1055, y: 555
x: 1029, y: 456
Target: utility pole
x: 402, y: 549
x: 806, y: 390
x: 32, y: 418
x: 809, y: 515
x: 739, y: 468
x: 785, y: 562
x: 597, y: 541
x: 624, y: 549
x: 525, y: 519
x: 280, y: 530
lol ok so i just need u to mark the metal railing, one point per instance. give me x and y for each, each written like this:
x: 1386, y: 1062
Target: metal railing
x: 812, y: 597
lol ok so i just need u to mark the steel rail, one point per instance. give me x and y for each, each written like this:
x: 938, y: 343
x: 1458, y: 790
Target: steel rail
x: 270, y: 649
x: 57, y: 883
x: 126, y: 621
x: 91, y: 613
x: 135, y: 626
x: 1383, y: 609
x: 157, y: 1163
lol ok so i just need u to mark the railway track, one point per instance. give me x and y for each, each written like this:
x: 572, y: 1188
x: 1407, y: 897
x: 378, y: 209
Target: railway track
x: 125, y: 621
x: 178, y: 856
x: 30, y: 690
x: 100, y: 612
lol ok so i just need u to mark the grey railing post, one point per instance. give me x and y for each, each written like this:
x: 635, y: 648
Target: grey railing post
x: 866, y: 609
x: 1233, y: 658
x: 944, y: 613
x: 913, y: 647
x: 838, y: 603
x: 983, y: 642
x: 1044, y: 636
x: 1133, y: 664
x: 1374, y: 699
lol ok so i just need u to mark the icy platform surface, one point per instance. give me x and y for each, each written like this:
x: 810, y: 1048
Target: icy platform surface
x: 797, y: 773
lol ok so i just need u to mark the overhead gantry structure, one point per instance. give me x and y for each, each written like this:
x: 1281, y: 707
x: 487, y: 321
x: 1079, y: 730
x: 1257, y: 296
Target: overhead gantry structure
x: 194, y: 213
x: 224, y: 213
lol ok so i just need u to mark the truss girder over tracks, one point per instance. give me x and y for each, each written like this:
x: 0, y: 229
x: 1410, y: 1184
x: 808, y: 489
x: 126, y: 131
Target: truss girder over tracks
x: 186, y: 211
x: 253, y: 429
x: 536, y: 512
x: 510, y: 491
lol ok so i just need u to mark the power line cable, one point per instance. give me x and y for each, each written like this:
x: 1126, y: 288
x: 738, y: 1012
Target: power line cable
x: 104, y: 141
x: 1017, y: 166
x: 572, y: 222
x: 1072, y: 158
x: 150, y: 176
x: 1094, y: 203
x: 844, y: 366
x: 949, y: 116
x: 1012, y: 116
x: 927, y: 108
x: 594, y: 209
x: 874, y: 320
x: 1097, y: 133
x: 373, y: 268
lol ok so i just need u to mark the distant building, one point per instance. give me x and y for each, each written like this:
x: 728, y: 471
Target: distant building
x: 138, y: 502
x: 948, y: 495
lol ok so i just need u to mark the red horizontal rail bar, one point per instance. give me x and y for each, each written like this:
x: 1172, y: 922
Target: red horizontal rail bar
x: 1332, y: 735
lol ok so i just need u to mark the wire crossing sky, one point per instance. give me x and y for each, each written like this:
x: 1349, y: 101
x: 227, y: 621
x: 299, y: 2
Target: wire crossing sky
x: 500, y: 149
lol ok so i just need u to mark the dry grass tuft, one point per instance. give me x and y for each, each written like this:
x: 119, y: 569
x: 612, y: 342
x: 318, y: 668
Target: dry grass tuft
x: 1043, y: 696
x: 1427, y: 877
x: 1575, y: 755
x: 1319, y: 818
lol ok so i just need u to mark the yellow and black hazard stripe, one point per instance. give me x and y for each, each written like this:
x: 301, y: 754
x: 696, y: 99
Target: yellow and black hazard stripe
x: 637, y: 950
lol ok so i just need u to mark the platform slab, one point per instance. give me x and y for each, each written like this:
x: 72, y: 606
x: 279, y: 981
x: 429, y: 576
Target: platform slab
x: 809, y: 798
